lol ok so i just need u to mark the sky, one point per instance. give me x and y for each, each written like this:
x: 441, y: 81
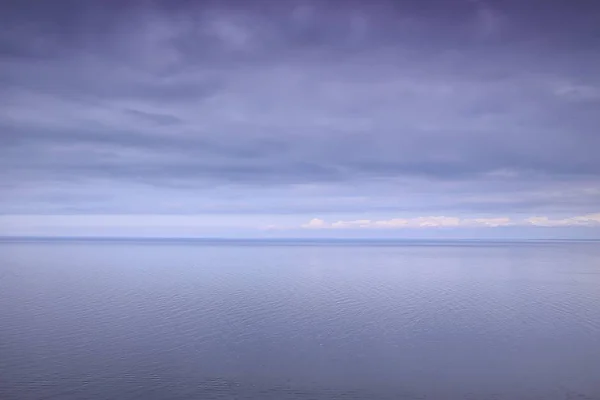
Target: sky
x: 298, y: 118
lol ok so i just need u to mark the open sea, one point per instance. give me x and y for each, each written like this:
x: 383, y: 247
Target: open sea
x: 263, y: 320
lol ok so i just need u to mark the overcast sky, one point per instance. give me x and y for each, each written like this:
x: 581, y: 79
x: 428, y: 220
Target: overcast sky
x: 299, y: 118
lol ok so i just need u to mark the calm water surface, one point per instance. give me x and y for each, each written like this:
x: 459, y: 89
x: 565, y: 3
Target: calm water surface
x: 299, y: 321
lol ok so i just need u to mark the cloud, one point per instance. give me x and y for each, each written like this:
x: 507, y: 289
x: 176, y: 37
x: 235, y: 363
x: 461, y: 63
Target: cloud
x: 436, y: 221
x: 314, y: 223
x: 491, y: 222
x: 578, y: 92
x: 418, y: 222
x: 583, y: 220
x: 361, y: 223
x: 454, y: 222
x: 304, y: 108
x: 488, y: 20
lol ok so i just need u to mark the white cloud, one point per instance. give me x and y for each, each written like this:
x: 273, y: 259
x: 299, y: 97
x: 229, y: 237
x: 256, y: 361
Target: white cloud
x: 491, y: 222
x: 211, y: 225
x: 392, y: 223
x: 435, y: 221
x: 315, y: 223
x: 583, y: 220
x: 419, y: 222
x: 443, y: 221
x: 359, y: 223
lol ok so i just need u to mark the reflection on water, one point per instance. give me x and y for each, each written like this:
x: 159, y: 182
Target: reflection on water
x: 263, y: 321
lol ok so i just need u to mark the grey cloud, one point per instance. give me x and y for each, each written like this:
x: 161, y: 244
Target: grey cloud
x: 161, y: 119
x: 183, y: 95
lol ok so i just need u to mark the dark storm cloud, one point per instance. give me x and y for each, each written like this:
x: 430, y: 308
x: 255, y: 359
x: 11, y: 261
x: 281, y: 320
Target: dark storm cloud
x: 496, y: 98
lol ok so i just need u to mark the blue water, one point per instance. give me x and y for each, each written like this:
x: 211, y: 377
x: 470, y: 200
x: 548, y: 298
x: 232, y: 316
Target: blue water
x: 299, y: 320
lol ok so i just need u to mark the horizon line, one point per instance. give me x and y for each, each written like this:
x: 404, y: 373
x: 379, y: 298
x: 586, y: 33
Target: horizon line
x: 281, y: 239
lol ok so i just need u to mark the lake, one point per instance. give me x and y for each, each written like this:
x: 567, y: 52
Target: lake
x: 299, y: 320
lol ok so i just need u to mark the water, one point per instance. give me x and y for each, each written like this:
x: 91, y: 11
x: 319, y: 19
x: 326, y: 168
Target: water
x: 283, y: 320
